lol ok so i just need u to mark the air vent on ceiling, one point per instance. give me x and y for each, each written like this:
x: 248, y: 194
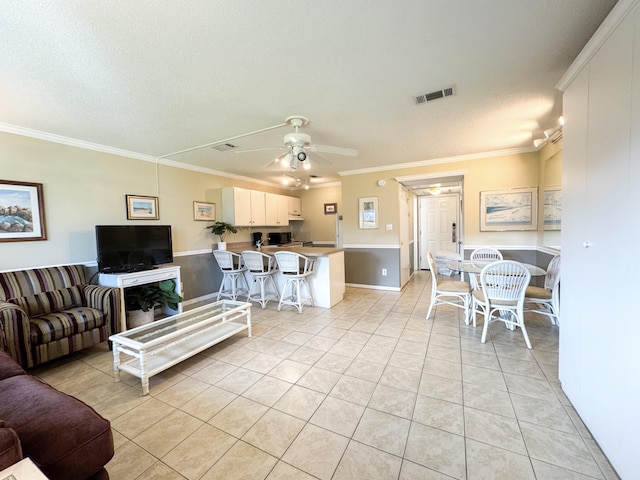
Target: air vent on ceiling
x: 223, y: 147
x: 435, y: 95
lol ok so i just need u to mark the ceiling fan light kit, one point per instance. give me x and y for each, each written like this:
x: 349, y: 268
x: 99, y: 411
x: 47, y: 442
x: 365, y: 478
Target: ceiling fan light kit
x: 298, y: 145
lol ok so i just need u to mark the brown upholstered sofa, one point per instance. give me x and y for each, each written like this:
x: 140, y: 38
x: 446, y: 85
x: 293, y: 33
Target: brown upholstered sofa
x: 46, y: 313
x: 63, y: 436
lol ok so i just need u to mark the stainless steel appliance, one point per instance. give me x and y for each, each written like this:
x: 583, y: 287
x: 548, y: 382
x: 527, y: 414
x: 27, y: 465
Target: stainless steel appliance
x: 278, y: 238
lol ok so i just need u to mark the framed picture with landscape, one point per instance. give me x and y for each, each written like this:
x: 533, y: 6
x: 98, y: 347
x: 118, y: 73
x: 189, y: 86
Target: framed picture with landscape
x: 21, y: 212
x: 142, y: 208
x: 204, y: 211
x: 511, y: 209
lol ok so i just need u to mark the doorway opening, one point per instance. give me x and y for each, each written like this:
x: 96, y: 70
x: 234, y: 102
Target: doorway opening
x: 438, y: 214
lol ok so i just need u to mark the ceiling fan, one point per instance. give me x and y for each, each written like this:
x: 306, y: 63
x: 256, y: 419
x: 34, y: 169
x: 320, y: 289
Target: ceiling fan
x: 298, y: 145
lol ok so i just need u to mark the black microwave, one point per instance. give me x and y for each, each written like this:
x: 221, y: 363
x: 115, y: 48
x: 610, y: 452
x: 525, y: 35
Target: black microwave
x: 278, y: 238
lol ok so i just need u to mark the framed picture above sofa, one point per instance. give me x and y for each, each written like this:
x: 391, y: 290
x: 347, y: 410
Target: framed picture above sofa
x: 21, y: 211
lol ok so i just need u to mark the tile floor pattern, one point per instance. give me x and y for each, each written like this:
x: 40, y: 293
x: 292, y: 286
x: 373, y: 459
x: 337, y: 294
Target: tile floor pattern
x: 366, y: 390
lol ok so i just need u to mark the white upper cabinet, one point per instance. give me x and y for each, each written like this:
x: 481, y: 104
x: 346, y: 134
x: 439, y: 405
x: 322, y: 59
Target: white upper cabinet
x: 295, y: 206
x: 242, y: 207
x: 277, y: 210
x: 250, y: 208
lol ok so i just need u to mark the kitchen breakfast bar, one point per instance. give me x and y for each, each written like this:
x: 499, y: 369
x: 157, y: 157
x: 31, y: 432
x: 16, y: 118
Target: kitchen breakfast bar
x: 328, y: 280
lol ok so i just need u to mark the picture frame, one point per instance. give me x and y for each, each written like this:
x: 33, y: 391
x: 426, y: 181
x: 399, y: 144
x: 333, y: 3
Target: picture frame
x: 368, y: 212
x: 22, y: 215
x: 330, y: 208
x: 510, y: 209
x: 552, y: 208
x: 141, y: 207
x: 204, y: 211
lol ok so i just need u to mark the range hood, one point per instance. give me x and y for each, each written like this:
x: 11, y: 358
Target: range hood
x: 295, y: 217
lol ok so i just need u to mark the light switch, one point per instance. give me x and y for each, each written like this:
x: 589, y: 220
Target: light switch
x: 389, y: 226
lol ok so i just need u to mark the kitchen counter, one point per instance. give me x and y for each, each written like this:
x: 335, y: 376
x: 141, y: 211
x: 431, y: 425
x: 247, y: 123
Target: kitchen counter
x: 308, y: 251
x: 327, y: 282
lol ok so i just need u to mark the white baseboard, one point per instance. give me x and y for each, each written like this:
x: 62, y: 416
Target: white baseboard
x: 373, y: 287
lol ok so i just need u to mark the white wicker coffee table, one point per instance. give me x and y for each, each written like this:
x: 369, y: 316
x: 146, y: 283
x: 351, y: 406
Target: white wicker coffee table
x: 159, y: 345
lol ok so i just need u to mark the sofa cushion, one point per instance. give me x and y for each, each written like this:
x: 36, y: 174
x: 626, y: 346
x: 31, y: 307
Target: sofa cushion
x: 49, y: 302
x: 10, y: 450
x: 8, y: 366
x: 22, y: 283
x: 54, y: 326
x: 63, y: 436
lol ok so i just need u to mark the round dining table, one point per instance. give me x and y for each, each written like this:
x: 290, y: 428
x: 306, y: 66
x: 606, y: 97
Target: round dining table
x: 467, y: 266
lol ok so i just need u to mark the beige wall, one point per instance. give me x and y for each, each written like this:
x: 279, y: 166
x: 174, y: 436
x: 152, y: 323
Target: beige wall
x: 83, y: 188
x: 512, y: 171
x: 317, y: 226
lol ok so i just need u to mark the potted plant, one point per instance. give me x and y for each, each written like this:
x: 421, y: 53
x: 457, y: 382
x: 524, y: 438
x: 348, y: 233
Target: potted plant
x: 221, y: 229
x: 142, y: 300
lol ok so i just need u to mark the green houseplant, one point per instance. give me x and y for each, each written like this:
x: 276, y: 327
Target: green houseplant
x: 142, y: 299
x: 221, y: 229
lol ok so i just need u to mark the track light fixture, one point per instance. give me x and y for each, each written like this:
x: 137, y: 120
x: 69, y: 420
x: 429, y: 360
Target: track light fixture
x: 552, y: 134
x: 297, y: 181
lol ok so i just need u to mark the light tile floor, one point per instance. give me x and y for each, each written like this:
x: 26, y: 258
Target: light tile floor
x: 366, y: 390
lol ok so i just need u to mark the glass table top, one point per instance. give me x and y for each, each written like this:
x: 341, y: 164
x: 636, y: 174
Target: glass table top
x: 476, y: 267
x: 182, y: 321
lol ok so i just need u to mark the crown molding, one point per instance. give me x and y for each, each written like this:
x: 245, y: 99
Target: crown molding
x: 438, y: 161
x: 617, y: 14
x: 50, y: 137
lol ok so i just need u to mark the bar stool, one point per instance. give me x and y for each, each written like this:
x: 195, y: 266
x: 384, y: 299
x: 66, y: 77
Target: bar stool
x: 262, y: 268
x: 295, y: 268
x: 232, y: 270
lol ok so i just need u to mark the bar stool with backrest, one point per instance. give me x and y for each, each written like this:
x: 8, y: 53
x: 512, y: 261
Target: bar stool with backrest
x: 233, y: 270
x: 448, y: 292
x: 501, y: 296
x: 546, y: 300
x: 262, y: 268
x: 295, y: 268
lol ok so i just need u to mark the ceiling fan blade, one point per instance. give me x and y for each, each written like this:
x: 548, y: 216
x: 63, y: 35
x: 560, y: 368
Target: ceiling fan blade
x: 350, y: 152
x: 319, y: 159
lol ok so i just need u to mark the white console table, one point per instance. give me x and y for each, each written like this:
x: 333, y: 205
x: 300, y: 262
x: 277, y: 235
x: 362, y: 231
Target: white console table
x: 125, y: 280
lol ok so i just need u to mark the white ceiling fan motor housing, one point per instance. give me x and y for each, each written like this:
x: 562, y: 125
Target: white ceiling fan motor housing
x: 297, y: 140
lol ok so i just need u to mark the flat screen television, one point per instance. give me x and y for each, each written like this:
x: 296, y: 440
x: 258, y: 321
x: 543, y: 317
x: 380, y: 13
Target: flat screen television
x: 130, y: 248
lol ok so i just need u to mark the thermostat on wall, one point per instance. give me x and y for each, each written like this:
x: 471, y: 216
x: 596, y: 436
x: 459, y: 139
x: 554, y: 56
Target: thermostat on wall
x: 381, y: 182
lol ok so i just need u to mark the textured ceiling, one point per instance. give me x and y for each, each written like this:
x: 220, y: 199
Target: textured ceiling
x: 156, y: 77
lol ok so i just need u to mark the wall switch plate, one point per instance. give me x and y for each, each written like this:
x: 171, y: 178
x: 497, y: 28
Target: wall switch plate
x: 389, y: 226
x: 384, y: 272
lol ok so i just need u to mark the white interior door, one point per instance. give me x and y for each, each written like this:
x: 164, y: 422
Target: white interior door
x: 439, y: 225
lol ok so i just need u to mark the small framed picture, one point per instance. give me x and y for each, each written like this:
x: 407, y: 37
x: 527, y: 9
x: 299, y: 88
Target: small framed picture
x: 21, y: 212
x: 330, y: 208
x: 203, y: 211
x: 368, y: 212
x: 142, y: 208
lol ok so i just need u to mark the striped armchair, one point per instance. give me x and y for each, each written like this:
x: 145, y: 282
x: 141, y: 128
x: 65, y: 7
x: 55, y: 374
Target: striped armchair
x: 46, y: 313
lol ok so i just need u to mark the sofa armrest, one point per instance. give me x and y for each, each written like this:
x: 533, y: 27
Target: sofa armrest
x: 10, y: 448
x: 14, y: 333
x: 106, y: 299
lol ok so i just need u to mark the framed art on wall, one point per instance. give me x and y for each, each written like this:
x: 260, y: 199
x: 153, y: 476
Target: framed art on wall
x: 552, y: 205
x: 330, y: 208
x: 368, y: 212
x: 204, y: 211
x: 21, y: 212
x: 512, y: 209
x: 142, y: 208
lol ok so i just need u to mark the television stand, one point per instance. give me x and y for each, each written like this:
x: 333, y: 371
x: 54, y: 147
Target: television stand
x: 141, y: 277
